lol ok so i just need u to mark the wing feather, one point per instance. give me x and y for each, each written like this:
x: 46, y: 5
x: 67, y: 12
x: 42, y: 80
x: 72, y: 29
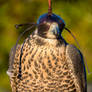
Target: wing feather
x: 12, y: 62
x: 77, y: 67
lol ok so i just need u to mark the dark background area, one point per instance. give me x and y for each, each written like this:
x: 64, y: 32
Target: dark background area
x: 77, y: 15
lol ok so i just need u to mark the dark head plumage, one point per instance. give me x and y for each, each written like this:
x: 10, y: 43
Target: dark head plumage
x: 51, y: 18
x: 49, y: 24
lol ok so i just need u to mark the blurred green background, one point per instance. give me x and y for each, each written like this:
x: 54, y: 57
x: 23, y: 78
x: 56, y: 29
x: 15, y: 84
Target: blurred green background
x: 77, y: 15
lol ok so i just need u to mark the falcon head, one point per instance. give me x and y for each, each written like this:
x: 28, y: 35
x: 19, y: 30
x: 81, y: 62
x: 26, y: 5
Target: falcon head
x: 50, y: 26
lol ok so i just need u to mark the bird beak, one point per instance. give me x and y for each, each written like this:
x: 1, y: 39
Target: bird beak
x: 53, y: 30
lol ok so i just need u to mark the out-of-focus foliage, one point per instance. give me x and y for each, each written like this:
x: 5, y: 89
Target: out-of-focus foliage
x: 76, y: 13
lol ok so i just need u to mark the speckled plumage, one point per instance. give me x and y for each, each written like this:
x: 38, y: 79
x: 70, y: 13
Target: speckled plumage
x: 45, y: 62
x: 48, y: 65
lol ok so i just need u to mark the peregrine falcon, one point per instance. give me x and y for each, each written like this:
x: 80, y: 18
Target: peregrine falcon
x: 45, y: 62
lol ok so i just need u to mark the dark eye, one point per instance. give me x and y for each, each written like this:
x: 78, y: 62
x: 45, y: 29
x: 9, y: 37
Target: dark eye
x: 43, y: 28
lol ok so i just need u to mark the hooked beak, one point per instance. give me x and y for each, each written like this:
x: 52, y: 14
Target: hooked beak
x: 53, y: 30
